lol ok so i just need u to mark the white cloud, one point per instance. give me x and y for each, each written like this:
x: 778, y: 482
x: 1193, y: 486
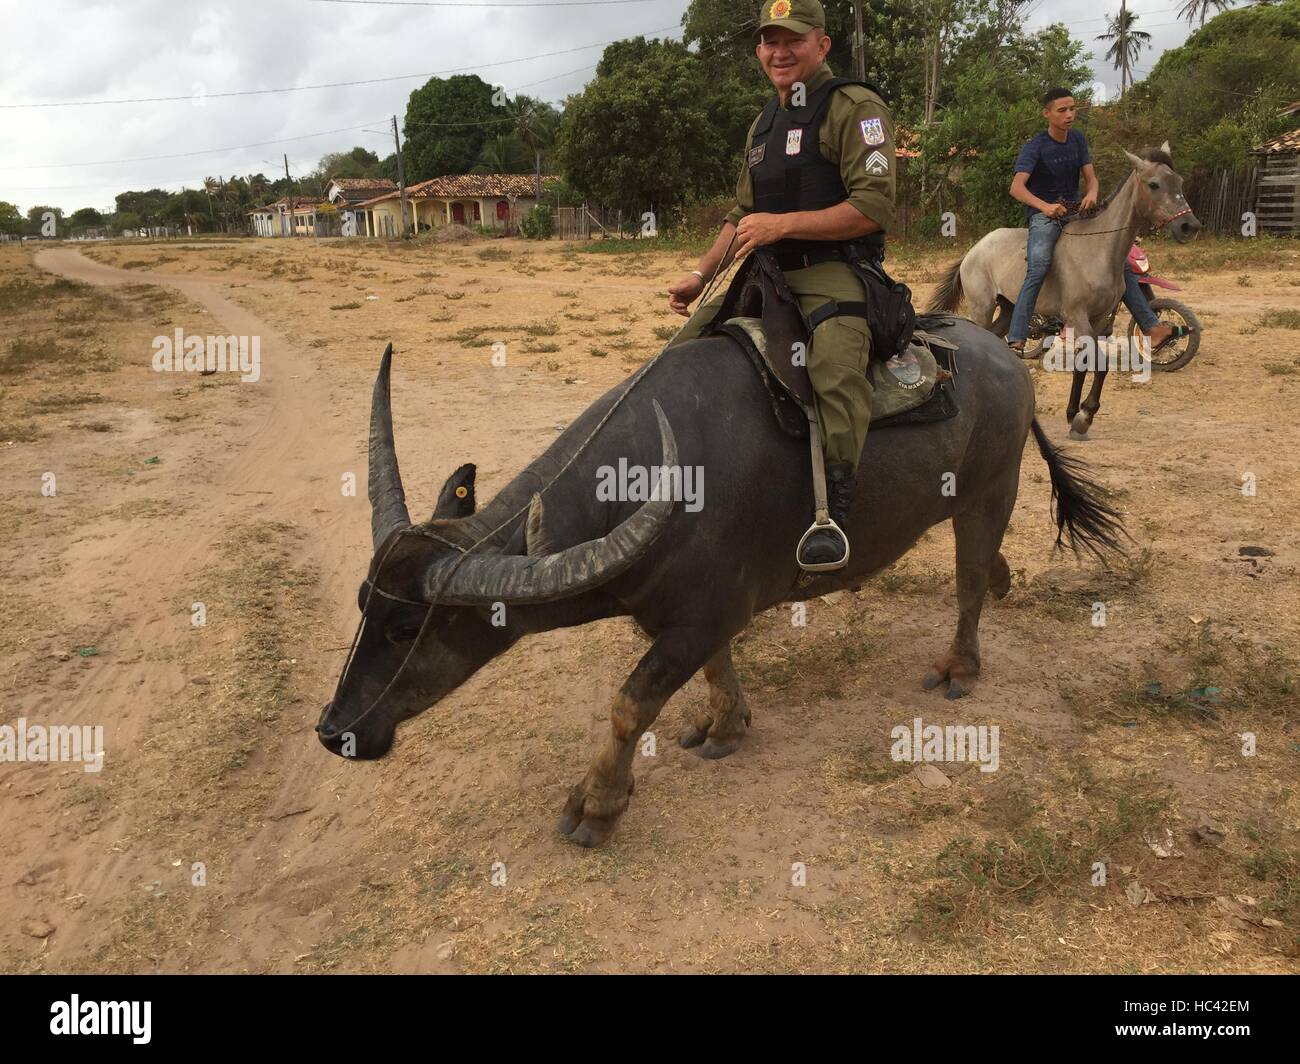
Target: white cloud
x: 72, y: 50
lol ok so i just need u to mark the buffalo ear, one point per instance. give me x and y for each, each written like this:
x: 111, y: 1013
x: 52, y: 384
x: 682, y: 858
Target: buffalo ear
x: 457, y: 496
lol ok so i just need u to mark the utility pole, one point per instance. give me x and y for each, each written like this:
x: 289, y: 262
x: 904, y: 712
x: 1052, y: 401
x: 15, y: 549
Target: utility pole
x: 859, y: 52
x: 401, y: 177
x: 288, y: 194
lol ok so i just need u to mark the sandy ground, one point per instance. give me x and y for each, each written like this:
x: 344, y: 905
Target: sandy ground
x: 219, y: 836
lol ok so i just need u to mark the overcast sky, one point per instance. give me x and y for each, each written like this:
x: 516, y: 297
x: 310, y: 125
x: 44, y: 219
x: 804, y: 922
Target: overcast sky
x: 77, y: 52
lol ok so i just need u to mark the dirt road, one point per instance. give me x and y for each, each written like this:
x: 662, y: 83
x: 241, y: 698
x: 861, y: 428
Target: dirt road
x: 310, y: 863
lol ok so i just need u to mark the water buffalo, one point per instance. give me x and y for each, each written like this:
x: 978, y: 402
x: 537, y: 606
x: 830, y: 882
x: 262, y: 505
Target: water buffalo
x: 550, y: 551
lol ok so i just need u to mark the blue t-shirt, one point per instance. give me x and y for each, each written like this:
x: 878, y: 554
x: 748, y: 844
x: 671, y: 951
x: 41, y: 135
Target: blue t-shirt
x: 1053, y: 168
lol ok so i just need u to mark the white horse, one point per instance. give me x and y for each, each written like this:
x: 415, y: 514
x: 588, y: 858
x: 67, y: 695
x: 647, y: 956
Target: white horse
x: 1086, y: 281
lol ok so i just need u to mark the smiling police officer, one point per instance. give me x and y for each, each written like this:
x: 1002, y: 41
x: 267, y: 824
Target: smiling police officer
x: 817, y: 186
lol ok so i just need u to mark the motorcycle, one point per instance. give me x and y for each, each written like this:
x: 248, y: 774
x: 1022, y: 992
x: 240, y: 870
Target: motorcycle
x: 1174, y: 355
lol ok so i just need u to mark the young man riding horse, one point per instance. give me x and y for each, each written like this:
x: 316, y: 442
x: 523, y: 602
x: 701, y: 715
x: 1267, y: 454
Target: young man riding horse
x: 818, y: 188
x: 1047, y: 182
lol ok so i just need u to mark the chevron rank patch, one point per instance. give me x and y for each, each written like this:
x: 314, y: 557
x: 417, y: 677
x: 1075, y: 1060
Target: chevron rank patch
x: 877, y: 163
x: 873, y: 132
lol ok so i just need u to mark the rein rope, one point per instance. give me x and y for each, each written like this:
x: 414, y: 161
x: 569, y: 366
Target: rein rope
x: 411, y: 530
x: 1077, y: 216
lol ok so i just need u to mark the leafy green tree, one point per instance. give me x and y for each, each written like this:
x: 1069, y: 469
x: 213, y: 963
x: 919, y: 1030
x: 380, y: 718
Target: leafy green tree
x: 37, y: 221
x: 127, y: 222
x: 994, y: 109
x: 447, y: 121
x: 85, y: 218
x: 12, y: 222
x: 652, y: 131
x: 1217, y: 95
x: 359, y: 162
x: 148, y: 206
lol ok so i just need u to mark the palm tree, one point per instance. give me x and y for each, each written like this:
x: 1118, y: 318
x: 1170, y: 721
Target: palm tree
x: 536, y: 123
x: 502, y: 154
x: 1126, y: 44
x: 1192, y: 8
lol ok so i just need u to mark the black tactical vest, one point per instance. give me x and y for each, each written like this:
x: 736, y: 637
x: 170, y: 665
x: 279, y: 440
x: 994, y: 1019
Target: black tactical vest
x: 786, y: 165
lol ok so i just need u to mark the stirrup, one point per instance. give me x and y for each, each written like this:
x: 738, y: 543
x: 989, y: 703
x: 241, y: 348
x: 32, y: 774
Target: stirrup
x: 821, y: 567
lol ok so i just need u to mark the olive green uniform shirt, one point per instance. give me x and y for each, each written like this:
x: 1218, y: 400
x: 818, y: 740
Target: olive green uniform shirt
x: 843, y: 141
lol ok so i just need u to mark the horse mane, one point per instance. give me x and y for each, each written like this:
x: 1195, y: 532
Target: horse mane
x: 1151, y: 155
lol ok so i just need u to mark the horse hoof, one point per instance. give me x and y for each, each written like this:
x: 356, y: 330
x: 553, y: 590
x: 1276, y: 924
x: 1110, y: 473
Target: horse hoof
x: 1083, y: 436
x: 692, y: 737
x: 1079, y: 426
x: 713, y: 749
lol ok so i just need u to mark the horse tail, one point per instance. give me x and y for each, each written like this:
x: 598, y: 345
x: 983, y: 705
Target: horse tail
x: 947, y: 297
x: 1080, y: 508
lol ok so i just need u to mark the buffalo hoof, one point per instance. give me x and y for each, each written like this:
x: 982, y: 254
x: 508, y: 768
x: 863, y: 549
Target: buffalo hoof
x: 583, y: 823
x: 692, y: 737
x: 957, y: 688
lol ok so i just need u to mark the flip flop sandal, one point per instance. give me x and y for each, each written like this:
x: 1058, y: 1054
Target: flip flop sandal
x: 1179, y: 332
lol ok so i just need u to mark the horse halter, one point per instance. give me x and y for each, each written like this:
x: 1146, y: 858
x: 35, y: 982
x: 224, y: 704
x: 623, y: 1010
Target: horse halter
x: 372, y: 588
x: 1172, y: 217
x: 1067, y: 219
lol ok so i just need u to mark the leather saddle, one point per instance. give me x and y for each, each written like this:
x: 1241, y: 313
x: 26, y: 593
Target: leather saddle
x: 776, y: 335
x: 759, y: 290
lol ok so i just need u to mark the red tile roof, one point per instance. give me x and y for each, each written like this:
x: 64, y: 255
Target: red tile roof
x: 1286, y: 144
x: 469, y: 186
x: 363, y: 183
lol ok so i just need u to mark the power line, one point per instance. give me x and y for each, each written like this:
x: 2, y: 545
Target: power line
x: 189, y: 154
x: 326, y: 85
x: 485, y: 4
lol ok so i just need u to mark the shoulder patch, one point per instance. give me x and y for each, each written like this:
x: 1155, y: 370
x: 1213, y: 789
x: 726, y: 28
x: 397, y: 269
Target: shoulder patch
x: 873, y: 131
x: 756, y: 154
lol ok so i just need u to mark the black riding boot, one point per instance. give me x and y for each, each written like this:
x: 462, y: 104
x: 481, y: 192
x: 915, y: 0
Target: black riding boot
x: 825, y: 547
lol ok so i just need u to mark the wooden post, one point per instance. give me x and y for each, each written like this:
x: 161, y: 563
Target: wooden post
x: 401, y: 177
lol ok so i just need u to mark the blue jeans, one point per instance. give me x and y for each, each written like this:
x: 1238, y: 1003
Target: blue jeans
x: 1137, y: 303
x: 1043, y: 235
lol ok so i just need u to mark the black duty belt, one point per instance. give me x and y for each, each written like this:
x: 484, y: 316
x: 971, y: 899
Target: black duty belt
x: 813, y: 256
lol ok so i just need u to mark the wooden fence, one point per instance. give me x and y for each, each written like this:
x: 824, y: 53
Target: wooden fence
x: 586, y: 222
x: 1221, y: 197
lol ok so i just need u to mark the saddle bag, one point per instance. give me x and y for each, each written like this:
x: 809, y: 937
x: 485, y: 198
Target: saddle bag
x: 890, y: 315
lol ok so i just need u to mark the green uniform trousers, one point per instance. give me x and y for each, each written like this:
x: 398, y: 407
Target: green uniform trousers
x: 837, y: 355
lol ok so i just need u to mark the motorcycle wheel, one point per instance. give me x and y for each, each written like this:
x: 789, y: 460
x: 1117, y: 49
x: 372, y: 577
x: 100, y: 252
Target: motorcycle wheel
x: 1042, y: 332
x: 1177, y: 353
